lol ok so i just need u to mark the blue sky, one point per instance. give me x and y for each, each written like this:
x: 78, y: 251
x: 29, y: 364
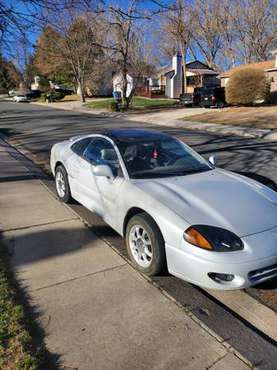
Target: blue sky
x: 33, y: 33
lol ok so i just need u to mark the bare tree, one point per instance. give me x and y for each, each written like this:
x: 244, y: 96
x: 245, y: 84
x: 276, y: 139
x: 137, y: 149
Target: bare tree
x: 80, y: 49
x: 124, y: 44
x: 228, y: 33
x: 177, y: 27
x: 206, y: 29
x: 256, y: 25
x: 19, y: 17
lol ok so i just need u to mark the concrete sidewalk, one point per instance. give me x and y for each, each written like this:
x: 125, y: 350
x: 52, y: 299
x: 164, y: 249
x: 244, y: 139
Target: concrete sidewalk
x: 97, y: 311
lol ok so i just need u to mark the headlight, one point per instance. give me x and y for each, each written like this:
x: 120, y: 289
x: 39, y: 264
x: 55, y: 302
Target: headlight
x: 213, y: 238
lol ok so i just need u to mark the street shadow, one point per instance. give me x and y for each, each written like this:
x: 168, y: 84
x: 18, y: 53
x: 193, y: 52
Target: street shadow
x: 21, y: 177
x: 8, y: 132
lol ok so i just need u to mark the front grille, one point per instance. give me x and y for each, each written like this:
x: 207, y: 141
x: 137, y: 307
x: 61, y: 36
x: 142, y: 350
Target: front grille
x: 263, y: 273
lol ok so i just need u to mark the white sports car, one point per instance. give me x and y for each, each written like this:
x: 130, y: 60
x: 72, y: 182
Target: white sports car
x: 20, y: 98
x: 211, y: 227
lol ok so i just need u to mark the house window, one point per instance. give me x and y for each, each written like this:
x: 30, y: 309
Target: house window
x: 194, y: 80
x: 191, y: 80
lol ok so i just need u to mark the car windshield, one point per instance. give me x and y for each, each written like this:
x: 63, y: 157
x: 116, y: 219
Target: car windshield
x: 163, y: 158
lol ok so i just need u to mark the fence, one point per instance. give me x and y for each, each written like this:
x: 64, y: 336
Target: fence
x: 151, y: 91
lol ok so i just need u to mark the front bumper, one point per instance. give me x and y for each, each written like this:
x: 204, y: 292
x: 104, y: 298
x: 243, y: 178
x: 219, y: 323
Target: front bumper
x: 196, y: 269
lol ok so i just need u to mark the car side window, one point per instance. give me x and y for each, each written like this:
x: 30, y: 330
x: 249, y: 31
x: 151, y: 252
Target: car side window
x: 79, y: 146
x: 101, y: 151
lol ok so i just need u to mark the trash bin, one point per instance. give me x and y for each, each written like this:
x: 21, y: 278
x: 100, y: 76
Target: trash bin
x: 117, y: 96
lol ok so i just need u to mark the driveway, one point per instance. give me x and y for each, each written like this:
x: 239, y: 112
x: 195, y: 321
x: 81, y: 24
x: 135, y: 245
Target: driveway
x: 168, y: 115
x: 35, y: 129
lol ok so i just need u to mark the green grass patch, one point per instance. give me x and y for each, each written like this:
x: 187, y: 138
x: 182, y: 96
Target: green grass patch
x: 99, y: 104
x: 18, y: 349
x: 137, y: 103
x: 140, y: 102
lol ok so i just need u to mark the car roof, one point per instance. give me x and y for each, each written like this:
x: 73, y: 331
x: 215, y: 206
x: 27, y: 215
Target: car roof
x: 135, y: 134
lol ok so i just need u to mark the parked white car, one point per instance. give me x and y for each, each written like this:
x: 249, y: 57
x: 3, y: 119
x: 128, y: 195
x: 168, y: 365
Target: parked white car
x: 213, y: 228
x: 12, y: 92
x: 20, y: 98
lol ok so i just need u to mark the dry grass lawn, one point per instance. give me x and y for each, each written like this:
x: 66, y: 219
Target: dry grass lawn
x: 73, y: 97
x: 258, y: 117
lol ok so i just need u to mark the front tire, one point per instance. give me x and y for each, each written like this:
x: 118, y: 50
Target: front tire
x: 145, y: 244
x: 62, y: 184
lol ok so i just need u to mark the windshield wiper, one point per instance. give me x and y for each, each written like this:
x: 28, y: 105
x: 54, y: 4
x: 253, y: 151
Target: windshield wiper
x: 196, y: 170
x: 154, y: 174
x: 147, y: 175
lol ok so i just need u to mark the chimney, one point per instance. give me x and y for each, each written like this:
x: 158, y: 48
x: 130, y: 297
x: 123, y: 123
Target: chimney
x: 177, y: 63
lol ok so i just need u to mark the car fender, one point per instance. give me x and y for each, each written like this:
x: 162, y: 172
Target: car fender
x: 171, y: 225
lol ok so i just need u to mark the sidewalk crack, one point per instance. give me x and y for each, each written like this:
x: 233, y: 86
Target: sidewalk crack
x: 38, y: 225
x: 78, y: 277
x: 217, y: 360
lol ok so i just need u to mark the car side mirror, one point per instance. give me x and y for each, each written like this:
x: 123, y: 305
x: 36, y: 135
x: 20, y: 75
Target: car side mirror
x: 104, y: 171
x: 213, y: 160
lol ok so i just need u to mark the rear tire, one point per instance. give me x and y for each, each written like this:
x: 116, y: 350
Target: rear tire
x: 145, y: 244
x: 62, y: 184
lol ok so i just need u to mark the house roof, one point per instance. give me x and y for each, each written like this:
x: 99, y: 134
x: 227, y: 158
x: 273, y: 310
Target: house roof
x: 170, y: 74
x: 196, y: 64
x: 268, y: 64
x: 191, y: 66
x: 164, y: 69
x: 196, y: 71
x: 203, y: 71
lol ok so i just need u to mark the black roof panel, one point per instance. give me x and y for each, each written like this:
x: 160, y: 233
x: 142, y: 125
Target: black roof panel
x: 130, y: 134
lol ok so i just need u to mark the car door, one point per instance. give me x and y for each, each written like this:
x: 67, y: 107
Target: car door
x: 73, y: 166
x: 81, y: 169
x: 106, y: 197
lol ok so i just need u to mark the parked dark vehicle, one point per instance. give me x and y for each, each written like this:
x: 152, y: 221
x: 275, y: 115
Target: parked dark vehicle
x: 53, y: 95
x: 189, y: 99
x: 65, y: 91
x: 33, y: 94
x: 212, y: 97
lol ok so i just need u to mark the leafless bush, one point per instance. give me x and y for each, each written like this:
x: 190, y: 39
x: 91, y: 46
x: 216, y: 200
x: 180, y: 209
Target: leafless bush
x: 247, y: 86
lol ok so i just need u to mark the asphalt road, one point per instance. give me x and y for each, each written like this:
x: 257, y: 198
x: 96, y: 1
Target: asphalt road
x: 36, y: 129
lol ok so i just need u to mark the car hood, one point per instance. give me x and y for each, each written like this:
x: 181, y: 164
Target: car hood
x: 217, y: 198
